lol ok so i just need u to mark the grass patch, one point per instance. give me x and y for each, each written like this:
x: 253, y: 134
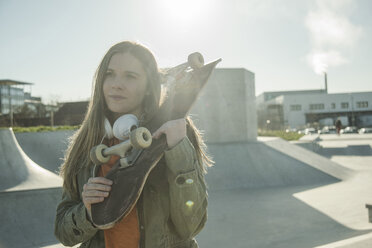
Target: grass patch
x: 43, y: 129
x: 282, y: 134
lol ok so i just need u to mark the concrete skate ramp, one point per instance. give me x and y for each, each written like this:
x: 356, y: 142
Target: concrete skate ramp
x: 18, y: 171
x: 28, y: 197
x: 27, y: 217
x: 45, y: 148
x: 267, y: 163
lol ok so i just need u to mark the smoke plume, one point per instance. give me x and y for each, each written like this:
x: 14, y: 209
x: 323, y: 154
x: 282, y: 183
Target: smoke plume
x: 332, y: 34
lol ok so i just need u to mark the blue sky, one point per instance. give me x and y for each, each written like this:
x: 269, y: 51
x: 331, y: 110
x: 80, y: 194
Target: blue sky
x: 57, y: 45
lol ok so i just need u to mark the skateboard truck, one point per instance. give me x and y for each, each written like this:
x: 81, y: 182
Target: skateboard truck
x: 135, y: 139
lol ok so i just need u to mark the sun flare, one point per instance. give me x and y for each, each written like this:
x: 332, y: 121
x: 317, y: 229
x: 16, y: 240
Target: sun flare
x: 185, y: 11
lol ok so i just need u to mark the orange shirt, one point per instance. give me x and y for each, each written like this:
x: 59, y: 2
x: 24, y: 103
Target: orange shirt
x: 125, y: 234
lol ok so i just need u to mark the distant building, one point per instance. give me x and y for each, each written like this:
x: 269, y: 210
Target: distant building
x: 11, y: 96
x: 296, y: 109
x: 35, y: 105
x: 71, y: 113
x: 267, y: 96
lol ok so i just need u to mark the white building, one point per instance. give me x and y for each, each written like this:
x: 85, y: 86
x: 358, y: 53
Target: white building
x: 296, y: 109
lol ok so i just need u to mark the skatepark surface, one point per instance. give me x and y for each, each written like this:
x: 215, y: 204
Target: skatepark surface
x: 266, y: 193
x: 315, y: 200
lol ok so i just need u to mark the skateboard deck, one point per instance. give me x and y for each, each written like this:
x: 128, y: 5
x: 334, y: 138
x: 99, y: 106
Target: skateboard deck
x: 129, y: 181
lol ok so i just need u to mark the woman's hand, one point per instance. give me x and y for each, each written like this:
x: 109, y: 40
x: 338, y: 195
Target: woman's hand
x: 174, y: 130
x: 95, y: 190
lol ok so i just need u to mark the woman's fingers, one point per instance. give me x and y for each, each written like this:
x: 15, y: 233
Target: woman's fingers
x: 92, y: 200
x: 160, y: 131
x: 95, y: 190
x: 96, y: 186
x: 174, y: 130
x: 100, y: 180
x: 95, y: 193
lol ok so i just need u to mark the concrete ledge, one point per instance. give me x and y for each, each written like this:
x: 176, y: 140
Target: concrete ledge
x: 309, y: 145
x: 310, y: 138
x: 309, y: 142
x: 369, y: 207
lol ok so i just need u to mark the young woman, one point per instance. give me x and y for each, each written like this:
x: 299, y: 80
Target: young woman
x: 172, y: 208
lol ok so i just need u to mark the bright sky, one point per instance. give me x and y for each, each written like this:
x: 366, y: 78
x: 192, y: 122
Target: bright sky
x: 57, y: 45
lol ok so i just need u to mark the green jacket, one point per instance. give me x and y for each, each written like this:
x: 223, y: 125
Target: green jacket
x: 172, y: 208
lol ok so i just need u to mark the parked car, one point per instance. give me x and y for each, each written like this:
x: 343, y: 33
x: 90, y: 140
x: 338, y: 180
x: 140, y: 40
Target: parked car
x: 349, y: 130
x: 365, y: 130
x: 301, y: 131
x: 328, y: 130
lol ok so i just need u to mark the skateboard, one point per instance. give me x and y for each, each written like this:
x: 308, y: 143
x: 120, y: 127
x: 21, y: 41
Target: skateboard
x: 139, y: 154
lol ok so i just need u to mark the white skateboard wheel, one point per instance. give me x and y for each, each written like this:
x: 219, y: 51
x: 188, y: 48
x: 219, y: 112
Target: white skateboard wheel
x: 195, y: 60
x: 140, y: 138
x: 96, y: 154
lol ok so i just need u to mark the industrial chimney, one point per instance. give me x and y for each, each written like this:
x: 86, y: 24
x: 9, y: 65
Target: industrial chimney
x: 325, y: 82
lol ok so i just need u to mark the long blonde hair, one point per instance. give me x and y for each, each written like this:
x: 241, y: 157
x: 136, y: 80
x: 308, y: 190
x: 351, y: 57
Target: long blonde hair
x: 92, y: 128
